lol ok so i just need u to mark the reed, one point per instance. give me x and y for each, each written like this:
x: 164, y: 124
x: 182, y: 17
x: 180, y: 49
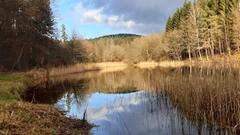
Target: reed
x: 206, y: 95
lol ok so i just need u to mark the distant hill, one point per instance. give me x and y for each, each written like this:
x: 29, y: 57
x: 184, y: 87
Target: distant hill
x: 118, y: 38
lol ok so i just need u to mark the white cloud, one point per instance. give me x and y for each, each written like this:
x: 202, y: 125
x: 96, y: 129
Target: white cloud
x: 139, y: 16
x: 87, y: 15
x: 94, y: 15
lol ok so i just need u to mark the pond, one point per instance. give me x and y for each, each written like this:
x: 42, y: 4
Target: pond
x: 161, y: 101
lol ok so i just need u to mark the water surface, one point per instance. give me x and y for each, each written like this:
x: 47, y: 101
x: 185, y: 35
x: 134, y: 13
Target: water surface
x: 138, y: 113
x: 150, y: 101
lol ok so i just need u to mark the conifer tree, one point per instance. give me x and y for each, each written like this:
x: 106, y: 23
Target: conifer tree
x: 64, y: 34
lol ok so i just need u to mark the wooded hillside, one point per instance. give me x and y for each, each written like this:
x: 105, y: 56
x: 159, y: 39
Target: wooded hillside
x: 26, y: 35
x: 204, y: 28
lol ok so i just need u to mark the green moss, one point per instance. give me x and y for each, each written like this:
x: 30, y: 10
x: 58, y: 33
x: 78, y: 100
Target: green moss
x: 6, y: 96
x: 10, y: 85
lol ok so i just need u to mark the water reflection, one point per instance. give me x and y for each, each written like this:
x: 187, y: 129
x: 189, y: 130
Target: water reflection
x: 137, y: 113
x: 151, y: 101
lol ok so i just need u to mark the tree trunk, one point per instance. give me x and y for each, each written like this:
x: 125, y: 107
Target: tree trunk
x: 220, y: 46
x: 179, y: 58
x: 226, y: 39
x: 211, y: 45
x: 18, y: 58
x: 189, y: 53
x: 212, y: 50
x: 196, y: 14
x: 206, y: 51
x: 200, y: 54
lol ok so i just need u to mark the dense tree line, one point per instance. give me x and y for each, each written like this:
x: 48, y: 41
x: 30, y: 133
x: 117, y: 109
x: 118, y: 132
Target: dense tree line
x: 204, y: 28
x: 114, y: 48
x: 26, y: 35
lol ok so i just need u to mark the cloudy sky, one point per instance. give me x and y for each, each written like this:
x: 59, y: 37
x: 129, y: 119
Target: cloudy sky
x: 93, y: 18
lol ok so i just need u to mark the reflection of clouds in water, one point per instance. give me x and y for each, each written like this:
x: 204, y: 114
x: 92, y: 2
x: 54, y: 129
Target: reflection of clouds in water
x: 138, y: 120
x: 97, y: 114
x: 137, y: 113
x: 99, y: 105
x: 112, y: 104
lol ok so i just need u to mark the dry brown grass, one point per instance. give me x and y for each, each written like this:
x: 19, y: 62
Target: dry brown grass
x: 150, y: 64
x: 112, y: 66
x: 171, y: 64
x: 221, y: 61
x: 206, y: 95
x: 78, y: 71
x: 203, y: 95
x: 28, y: 119
x: 77, y: 68
x: 218, y: 60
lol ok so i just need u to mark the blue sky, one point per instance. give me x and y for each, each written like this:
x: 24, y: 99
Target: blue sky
x: 94, y: 18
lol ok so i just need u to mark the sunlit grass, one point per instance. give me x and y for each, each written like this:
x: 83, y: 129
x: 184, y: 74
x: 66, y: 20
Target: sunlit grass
x: 11, y: 84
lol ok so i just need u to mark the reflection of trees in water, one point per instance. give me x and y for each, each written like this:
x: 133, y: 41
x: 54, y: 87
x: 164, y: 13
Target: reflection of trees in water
x: 68, y: 101
x: 204, y: 95
x: 160, y: 114
x: 201, y: 94
x: 55, y: 91
x: 128, y: 80
x: 77, y: 94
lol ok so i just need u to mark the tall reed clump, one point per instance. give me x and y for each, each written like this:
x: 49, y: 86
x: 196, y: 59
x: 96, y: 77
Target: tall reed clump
x: 206, y: 95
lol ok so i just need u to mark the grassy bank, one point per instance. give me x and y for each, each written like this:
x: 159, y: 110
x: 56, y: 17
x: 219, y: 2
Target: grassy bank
x: 11, y: 85
x: 18, y: 117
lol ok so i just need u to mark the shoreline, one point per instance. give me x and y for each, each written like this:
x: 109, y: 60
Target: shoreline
x: 27, y: 118
x: 217, y: 61
x: 21, y: 117
x: 12, y: 84
x: 12, y: 108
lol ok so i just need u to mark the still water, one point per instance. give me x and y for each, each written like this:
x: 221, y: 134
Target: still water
x: 138, y: 113
x: 149, y: 101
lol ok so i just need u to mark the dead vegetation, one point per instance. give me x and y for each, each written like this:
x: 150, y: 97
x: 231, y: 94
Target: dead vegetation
x: 27, y: 119
x: 205, y: 95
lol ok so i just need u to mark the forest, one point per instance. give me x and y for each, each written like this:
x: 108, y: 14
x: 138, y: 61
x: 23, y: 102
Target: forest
x: 182, y: 79
x: 199, y: 29
x: 27, y: 37
x: 204, y: 28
